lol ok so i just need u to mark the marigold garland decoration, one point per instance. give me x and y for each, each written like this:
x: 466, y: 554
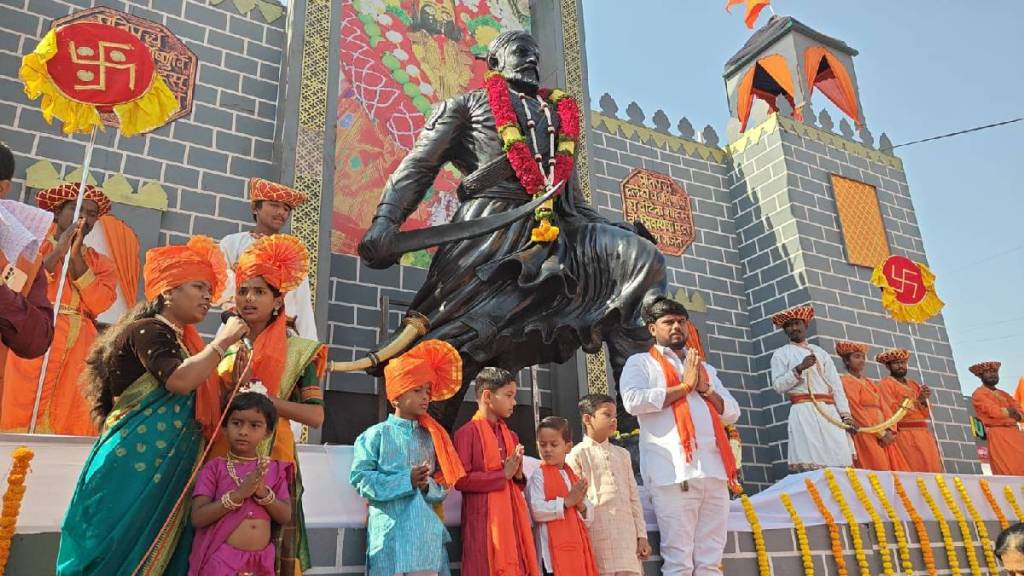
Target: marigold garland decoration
x: 947, y: 538
x: 996, y: 508
x: 764, y: 566
x: 897, y: 524
x: 801, y: 535
x: 1008, y: 492
x: 525, y: 166
x: 922, y: 533
x: 876, y: 520
x: 12, y: 501
x: 833, y: 529
x: 908, y: 289
x: 851, y: 521
x: 84, y: 68
x: 965, y: 529
x: 979, y: 525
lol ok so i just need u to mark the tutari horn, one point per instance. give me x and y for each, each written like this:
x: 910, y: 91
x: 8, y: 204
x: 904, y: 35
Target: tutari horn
x: 414, y: 326
x: 906, y: 406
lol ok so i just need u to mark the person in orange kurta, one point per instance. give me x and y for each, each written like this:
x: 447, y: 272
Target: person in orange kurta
x: 913, y: 438
x: 1000, y: 413
x: 89, y: 290
x: 869, y: 407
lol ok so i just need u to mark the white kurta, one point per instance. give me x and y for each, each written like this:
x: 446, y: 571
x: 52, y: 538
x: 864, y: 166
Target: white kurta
x: 813, y: 441
x: 297, y: 303
x: 662, y: 461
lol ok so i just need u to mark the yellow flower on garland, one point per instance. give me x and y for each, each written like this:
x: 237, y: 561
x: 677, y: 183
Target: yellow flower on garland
x: 764, y: 566
x: 965, y: 530
x: 897, y: 524
x: 801, y: 535
x: 1008, y: 492
x: 998, y: 510
x: 908, y: 289
x: 12, y: 501
x: 851, y: 521
x: 544, y: 232
x: 833, y: 530
x: 979, y: 524
x: 947, y: 538
x: 876, y: 520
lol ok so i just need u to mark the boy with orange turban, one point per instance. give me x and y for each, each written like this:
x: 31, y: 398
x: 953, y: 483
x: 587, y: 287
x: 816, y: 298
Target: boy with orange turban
x: 405, y: 465
x: 868, y: 406
x: 272, y: 205
x: 89, y: 290
x: 913, y: 438
x: 1000, y: 413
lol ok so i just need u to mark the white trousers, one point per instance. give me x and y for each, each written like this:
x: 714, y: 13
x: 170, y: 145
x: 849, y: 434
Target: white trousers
x: 692, y: 525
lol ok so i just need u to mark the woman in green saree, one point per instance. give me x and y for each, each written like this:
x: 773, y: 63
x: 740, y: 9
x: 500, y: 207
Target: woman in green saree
x: 156, y: 396
x: 288, y: 368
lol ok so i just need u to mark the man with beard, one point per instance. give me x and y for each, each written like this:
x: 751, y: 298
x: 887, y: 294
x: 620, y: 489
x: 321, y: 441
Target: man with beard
x: 90, y: 288
x: 1000, y: 413
x: 528, y: 293
x: 913, y: 437
x: 798, y: 370
x: 686, y: 462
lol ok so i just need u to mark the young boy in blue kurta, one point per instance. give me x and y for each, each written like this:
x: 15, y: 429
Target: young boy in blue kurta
x: 393, y: 465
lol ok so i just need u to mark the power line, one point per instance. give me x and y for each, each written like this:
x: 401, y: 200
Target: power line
x: 957, y: 133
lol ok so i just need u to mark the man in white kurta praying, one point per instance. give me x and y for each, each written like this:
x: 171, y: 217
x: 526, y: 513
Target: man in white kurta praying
x: 272, y: 205
x: 799, y: 368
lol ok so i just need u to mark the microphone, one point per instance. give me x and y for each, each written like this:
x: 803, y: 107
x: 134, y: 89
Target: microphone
x: 227, y: 315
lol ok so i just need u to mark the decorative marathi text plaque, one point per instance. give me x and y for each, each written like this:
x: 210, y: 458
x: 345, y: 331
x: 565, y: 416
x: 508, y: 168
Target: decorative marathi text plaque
x: 174, y: 61
x: 662, y: 205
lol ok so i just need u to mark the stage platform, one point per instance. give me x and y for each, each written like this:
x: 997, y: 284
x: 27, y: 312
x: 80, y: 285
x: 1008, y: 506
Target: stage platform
x: 336, y: 515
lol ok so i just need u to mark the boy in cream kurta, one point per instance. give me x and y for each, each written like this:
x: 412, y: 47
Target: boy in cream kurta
x: 618, y: 533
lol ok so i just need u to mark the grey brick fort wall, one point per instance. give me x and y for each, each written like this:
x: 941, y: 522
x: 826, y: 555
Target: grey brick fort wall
x: 203, y: 160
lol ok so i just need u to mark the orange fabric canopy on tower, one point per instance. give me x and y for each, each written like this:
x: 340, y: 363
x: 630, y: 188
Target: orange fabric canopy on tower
x: 833, y: 80
x: 777, y: 69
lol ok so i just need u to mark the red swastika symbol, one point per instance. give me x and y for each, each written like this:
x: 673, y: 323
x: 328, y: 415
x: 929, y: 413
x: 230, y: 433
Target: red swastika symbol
x: 905, y: 278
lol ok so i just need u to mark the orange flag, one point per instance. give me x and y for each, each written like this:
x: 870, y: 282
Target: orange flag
x: 754, y: 8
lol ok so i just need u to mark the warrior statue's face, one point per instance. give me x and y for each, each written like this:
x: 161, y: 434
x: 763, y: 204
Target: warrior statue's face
x: 518, y: 61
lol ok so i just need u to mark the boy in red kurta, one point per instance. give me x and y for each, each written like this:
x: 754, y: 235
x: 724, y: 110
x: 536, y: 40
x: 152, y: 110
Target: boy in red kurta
x: 89, y: 290
x: 913, y: 438
x: 496, y: 535
x: 1000, y: 413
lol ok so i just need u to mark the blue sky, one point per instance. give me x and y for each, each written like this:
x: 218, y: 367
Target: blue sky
x: 925, y: 68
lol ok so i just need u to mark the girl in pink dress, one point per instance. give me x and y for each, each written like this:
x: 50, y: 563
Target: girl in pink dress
x: 238, y: 496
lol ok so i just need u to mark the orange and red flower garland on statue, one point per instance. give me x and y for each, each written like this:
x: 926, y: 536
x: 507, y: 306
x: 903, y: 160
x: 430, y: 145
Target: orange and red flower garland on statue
x: 522, y: 159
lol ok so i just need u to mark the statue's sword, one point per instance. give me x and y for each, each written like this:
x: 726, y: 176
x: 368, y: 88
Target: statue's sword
x: 412, y: 240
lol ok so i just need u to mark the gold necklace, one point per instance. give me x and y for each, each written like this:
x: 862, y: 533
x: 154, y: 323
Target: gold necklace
x: 230, y: 461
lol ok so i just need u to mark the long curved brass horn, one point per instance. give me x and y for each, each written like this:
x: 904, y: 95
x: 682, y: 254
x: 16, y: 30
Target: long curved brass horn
x: 414, y: 326
x: 905, y: 407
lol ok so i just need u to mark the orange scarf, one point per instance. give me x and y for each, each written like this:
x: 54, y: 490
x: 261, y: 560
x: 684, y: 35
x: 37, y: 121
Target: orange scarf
x: 568, y: 541
x: 270, y: 353
x: 684, y: 423
x: 208, y: 393
x: 508, y: 519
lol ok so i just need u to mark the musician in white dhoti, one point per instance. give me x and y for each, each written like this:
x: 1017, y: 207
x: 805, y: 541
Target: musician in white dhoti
x: 798, y: 369
x: 272, y: 205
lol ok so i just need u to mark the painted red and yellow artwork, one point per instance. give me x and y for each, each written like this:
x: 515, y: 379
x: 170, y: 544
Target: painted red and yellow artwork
x: 398, y: 58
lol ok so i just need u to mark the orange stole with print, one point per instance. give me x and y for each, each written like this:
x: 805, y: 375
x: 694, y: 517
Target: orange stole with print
x: 568, y: 540
x: 684, y: 423
x: 63, y: 408
x: 508, y: 518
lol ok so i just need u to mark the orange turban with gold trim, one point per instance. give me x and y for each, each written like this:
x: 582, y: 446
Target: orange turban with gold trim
x: 844, y: 348
x: 52, y: 199
x: 893, y: 355
x: 260, y: 189
x: 982, y: 367
x: 437, y: 363
x: 280, y: 259
x: 168, y: 267
x: 805, y: 313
